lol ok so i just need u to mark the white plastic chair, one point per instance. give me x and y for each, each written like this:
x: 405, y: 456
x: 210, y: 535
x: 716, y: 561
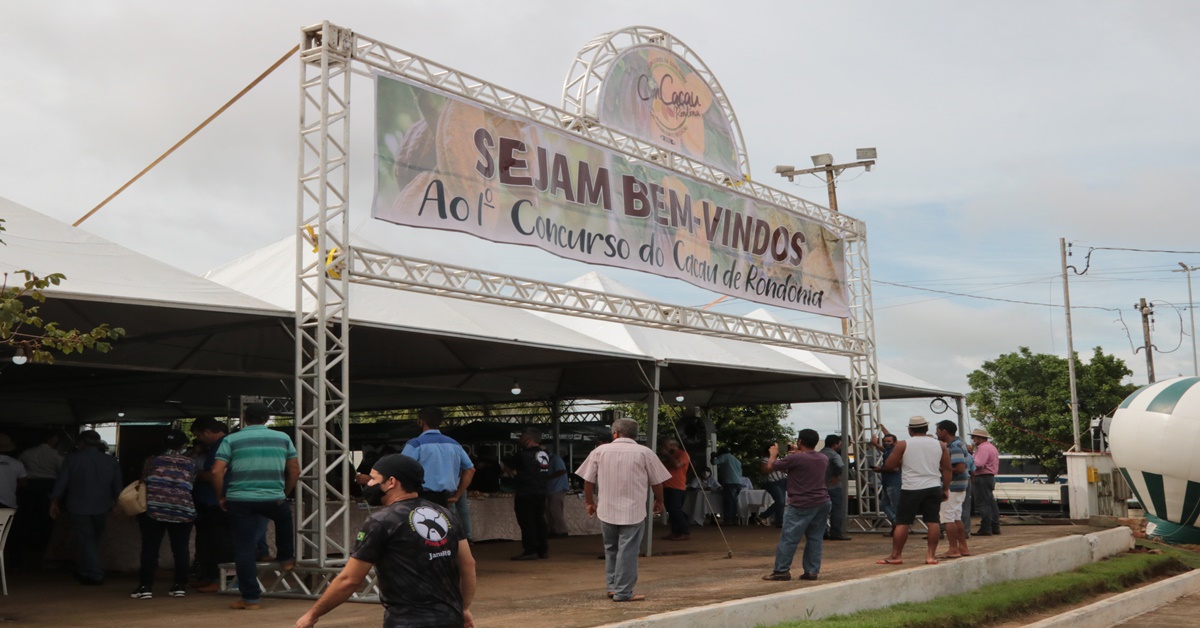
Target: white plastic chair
x: 6, y: 517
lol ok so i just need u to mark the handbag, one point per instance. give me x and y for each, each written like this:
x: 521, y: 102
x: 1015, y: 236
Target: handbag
x: 132, y: 500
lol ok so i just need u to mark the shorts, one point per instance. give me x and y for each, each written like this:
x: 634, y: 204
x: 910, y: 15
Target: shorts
x: 925, y: 502
x: 951, y: 510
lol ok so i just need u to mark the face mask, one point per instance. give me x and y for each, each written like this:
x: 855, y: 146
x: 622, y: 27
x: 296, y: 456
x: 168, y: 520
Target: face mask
x: 374, y: 494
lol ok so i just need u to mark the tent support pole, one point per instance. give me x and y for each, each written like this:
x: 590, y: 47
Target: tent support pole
x: 556, y: 423
x: 653, y: 413
x: 844, y: 503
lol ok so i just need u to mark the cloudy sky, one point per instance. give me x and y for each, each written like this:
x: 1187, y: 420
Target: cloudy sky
x: 1000, y: 127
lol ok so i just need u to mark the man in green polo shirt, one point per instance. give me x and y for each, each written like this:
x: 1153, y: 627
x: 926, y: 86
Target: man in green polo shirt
x: 263, y: 470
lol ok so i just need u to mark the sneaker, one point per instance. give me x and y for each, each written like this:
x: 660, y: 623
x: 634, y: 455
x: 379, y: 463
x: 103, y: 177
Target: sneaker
x: 141, y: 593
x: 177, y: 590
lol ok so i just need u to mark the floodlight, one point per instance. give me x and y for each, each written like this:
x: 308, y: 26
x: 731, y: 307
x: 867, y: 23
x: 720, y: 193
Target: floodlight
x: 866, y: 153
x: 824, y: 159
x: 19, y: 357
x: 783, y: 169
x: 516, y: 389
x: 679, y: 398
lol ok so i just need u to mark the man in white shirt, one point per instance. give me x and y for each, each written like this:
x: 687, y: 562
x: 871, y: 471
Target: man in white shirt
x: 624, y: 470
x: 12, y: 473
x: 42, y: 464
x: 925, y: 477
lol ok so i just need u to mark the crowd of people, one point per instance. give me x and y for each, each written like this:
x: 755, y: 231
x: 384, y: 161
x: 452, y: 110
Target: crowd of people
x: 227, y: 486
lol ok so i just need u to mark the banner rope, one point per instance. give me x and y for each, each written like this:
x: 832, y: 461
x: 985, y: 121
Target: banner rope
x: 189, y: 136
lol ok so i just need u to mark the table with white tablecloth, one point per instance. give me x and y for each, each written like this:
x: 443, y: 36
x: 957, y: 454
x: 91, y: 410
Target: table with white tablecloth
x: 492, y: 518
x: 699, y: 504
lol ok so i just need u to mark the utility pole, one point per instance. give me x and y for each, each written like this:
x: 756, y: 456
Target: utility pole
x: 1062, y: 249
x: 824, y: 163
x: 1192, y: 313
x: 1147, y: 312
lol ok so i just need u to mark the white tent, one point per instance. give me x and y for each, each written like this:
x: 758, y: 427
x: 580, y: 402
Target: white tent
x: 893, y: 383
x: 188, y: 339
x: 195, y: 343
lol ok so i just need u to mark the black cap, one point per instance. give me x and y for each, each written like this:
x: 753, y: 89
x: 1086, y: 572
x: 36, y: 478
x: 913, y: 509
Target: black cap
x: 176, y: 439
x: 404, y: 468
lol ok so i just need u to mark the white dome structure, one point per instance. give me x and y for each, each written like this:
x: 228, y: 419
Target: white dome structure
x: 1154, y: 437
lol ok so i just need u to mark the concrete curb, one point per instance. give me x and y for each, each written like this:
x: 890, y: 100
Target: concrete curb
x: 896, y: 587
x: 1125, y: 606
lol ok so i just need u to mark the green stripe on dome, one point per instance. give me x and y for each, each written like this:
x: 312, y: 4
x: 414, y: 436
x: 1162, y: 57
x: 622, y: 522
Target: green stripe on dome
x: 1165, y: 401
x: 1158, y: 497
x: 1129, y: 399
x: 1173, y: 532
x: 1191, y: 505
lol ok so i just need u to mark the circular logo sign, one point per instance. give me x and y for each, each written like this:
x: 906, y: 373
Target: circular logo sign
x: 430, y: 524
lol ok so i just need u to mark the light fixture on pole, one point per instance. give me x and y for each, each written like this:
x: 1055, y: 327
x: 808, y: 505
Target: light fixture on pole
x: 516, y: 389
x: 1192, y: 313
x: 824, y: 163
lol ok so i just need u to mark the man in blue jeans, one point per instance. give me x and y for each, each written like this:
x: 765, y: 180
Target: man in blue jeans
x: 86, y: 489
x: 729, y: 473
x: 263, y: 470
x: 808, y: 506
x: 889, y: 497
x: 776, y: 486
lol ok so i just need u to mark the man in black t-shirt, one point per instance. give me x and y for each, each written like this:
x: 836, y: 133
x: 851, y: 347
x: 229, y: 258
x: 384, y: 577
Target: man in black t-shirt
x: 531, y: 469
x: 426, y: 571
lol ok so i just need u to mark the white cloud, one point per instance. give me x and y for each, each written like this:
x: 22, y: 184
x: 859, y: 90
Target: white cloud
x: 998, y: 130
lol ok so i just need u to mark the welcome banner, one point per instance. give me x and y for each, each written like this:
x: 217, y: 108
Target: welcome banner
x: 446, y: 163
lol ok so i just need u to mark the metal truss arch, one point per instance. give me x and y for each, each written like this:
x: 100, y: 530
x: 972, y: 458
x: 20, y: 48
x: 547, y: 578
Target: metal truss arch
x: 329, y: 56
x: 581, y: 88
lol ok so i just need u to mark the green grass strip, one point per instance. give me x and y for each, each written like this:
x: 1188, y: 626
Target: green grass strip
x: 1004, y: 601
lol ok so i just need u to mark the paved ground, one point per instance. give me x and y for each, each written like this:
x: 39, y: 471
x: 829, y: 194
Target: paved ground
x: 566, y: 590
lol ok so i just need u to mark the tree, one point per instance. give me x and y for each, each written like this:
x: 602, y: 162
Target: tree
x: 24, y: 330
x: 1024, y: 400
x: 746, y: 430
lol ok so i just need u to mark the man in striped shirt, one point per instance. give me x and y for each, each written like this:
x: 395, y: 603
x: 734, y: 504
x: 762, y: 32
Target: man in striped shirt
x: 951, y: 512
x: 263, y: 470
x: 624, y: 470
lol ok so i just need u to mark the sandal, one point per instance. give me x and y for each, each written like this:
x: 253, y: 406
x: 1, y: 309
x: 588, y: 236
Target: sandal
x: 635, y: 598
x: 889, y: 561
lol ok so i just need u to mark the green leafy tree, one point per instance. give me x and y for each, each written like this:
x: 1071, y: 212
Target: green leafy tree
x: 23, y: 329
x: 746, y: 430
x: 1024, y: 399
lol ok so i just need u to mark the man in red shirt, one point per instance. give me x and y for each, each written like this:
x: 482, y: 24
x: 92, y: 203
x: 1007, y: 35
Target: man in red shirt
x: 676, y: 460
x: 807, y: 511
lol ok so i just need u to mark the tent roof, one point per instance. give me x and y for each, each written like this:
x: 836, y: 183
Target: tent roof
x: 893, y: 383
x: 99, y: 270
x: 193, y: 344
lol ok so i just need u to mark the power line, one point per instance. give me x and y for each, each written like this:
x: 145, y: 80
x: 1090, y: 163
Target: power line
x: 975, y: 296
